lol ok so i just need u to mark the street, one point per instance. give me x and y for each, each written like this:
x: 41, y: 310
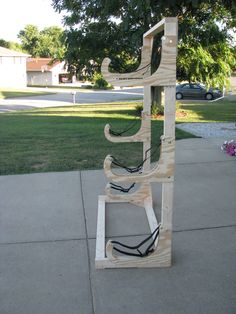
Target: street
x: 65, y: 98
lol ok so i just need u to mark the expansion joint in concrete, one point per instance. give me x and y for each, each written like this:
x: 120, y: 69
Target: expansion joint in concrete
x: 87, y: 243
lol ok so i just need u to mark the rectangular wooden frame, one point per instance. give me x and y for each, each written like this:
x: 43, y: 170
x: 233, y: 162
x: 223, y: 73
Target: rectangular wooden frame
x: 160, y: 258
x: 164, y: 76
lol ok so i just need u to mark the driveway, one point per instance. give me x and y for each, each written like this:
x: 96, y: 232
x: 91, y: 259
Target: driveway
x: 228, y: 96
x: 48, y: 232
x: 65, y: 98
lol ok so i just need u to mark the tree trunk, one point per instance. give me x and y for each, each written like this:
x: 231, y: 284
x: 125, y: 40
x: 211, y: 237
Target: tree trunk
x: 157, y: 99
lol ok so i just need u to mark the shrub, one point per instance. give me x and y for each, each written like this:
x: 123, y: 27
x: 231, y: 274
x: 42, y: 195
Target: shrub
x: 139, y: 109
x: 100, y: 82
x: 157, y: 109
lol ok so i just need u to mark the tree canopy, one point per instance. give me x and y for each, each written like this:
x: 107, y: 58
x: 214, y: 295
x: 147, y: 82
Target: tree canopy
x: 101, y: 28
x: 11, y: 45
x: 47, y: 43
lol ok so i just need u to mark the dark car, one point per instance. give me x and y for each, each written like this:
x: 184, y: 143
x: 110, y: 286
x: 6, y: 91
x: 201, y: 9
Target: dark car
x: 65, y: 78
x: 196, y: 91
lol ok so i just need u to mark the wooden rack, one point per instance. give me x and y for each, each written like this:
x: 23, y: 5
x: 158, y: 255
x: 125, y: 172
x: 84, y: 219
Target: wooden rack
x: 163, y: 172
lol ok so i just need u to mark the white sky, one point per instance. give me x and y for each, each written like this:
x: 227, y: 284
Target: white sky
x: 15, y: 14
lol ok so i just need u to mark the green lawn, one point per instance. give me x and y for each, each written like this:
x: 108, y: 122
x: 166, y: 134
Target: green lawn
x: 71, y: 138
x: 67, y: 138
x: 11, y: 93
x: 219, y: 111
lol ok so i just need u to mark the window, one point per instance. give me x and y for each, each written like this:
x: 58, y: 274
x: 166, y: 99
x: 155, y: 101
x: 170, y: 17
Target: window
x: 195, y: 86
x: 186, y: 86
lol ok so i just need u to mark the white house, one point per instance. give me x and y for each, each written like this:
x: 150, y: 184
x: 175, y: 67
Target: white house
x: 44, y: 71
x: 12, y: 68
x: 233, y: 81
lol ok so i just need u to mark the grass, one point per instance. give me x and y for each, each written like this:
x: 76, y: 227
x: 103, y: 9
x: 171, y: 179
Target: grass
x: 72, y: 138
x: 12, y: 93
x: 219, y: 111
x: 68, y: 138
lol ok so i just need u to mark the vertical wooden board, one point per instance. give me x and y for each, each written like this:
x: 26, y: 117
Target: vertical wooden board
x: 169, y: 111
x: 152, y: 220
x: 147, y: 99
x: 147, y: 109
x: 171, y: 28
x: 100, y: 242
x: 167, y: 205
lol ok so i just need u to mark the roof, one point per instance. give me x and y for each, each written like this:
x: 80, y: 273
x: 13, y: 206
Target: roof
x: 41, y: 64
x: 5, y: 52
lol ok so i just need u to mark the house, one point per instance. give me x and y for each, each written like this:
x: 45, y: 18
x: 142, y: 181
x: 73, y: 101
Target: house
x: 45, y: 71
x: 12, y: 68
x: 233, y: 82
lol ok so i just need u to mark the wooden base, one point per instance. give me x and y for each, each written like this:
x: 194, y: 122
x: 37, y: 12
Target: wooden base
x: 161, y: 257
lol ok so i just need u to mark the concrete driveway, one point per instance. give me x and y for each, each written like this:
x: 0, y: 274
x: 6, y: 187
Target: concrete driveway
x: 65, y: 98
x: 47, y: 242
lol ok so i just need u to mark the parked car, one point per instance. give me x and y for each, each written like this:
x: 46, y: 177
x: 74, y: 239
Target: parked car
x: 196, y: 91
x: 65, y: 78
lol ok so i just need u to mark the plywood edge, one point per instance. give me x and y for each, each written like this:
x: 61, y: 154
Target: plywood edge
x: 100, y: 239
x: 160, y: 258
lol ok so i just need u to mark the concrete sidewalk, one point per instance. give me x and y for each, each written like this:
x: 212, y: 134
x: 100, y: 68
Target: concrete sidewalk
x: 47, y: 236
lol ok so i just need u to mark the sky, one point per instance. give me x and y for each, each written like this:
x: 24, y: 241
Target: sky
x: 15, y: 14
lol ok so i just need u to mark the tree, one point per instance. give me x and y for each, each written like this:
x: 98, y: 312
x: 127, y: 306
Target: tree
x: 52, y: 42
x: 204, y: 52
x: 48, y: 43
x: 101, y: 28
x: 11, y: 45
x: 29, y: 38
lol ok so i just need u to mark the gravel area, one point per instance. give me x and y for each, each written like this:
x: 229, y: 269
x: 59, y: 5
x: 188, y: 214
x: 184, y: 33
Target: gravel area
x: 213, y: 129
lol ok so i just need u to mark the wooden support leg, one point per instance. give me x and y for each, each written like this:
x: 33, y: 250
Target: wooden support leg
x: 147, y: 109
x: 167, y: 205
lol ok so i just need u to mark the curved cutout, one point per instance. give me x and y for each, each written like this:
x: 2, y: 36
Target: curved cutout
x: 162, y: 249
x: 142, y: 135
x: 143, y: 69
x: 165, y: 75
x: 137, y: 197
x: 134, y: 250
x: 162, y: 172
